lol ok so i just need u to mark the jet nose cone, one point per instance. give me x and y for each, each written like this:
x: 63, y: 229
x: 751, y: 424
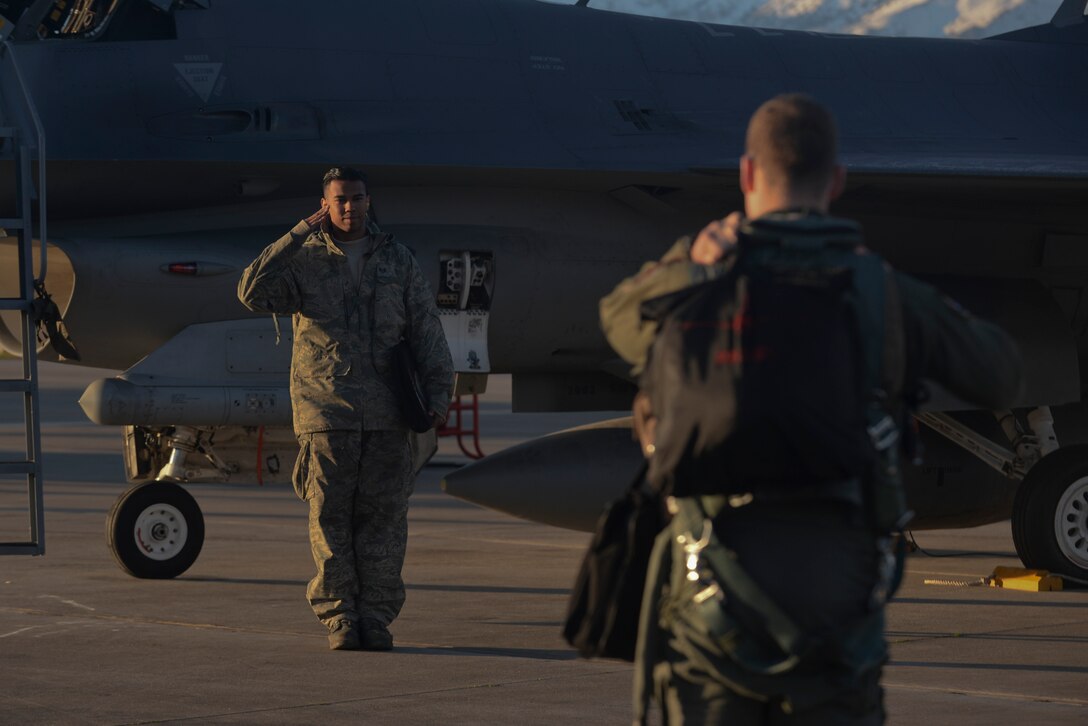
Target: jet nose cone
x: 563, y: 480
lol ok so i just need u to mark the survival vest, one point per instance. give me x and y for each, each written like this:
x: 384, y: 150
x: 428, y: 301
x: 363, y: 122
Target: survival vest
x: 781, y: 378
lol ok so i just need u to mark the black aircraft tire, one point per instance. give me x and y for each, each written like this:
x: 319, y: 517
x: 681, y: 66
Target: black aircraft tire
x: 1050, y: 513
x: 155, y: 530
x: 1019, y: 519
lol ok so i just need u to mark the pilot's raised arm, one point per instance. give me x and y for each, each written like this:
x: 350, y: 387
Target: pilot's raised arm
x: 690, y: 261
x: 974, y: 359
x: 269, y: 284
x: 620, y: 310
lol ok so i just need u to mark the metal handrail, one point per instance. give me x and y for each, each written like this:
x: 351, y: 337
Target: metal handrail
x: 39, y: 132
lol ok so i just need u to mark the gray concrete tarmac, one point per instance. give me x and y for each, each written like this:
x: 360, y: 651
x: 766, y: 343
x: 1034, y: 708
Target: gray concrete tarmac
x: 233, y: 641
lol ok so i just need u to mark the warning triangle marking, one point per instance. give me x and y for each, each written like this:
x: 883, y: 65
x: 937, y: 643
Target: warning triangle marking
x: 201, y: 77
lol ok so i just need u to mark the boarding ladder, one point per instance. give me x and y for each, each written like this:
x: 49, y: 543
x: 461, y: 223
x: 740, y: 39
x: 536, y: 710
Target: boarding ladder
x: 21, y: 138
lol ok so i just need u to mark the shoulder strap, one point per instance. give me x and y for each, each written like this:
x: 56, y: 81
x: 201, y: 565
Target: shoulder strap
x: 885, y: 346
x: 869, y: 307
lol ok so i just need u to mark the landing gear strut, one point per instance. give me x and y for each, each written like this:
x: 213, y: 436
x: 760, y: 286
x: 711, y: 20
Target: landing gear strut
x: 155, y: 529
x: 1050, y: 512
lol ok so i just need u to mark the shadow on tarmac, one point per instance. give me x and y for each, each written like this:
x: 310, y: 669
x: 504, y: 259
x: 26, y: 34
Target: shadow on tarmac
x: 426, y: 588
x: 960, y: 553
x: 243, y: 581
x: 991, y: 603
x: 530, y: 653
x: 493, y: 589
x: 992, y: 666
x: 1022, y: 638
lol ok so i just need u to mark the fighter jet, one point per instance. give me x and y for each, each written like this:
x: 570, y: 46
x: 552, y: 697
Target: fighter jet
x: 531, y: 155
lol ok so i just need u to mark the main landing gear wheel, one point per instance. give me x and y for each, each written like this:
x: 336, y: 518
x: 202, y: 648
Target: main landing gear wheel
x: 155, y: 530
x: 1050, y: 513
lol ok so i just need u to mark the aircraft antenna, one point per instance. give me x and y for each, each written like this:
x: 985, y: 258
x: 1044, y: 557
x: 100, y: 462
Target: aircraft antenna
x: 582, y: 3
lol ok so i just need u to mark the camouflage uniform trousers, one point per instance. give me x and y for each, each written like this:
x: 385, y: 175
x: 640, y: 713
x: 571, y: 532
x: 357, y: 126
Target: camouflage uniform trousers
x: 357, y: 485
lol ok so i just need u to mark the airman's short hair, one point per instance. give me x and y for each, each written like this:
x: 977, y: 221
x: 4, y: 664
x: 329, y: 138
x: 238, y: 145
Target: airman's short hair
x: 343, y: 173
x: 794, y: 141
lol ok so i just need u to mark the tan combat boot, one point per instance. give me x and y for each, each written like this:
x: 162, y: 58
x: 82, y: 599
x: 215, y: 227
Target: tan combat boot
x: 376, y: 636
x: 344, y: 635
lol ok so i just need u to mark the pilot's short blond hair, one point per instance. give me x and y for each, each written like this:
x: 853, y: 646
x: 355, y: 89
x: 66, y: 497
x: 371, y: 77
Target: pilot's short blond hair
x: 794, y: 141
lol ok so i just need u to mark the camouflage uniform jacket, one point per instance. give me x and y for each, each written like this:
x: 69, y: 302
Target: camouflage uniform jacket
x: 342, y: 375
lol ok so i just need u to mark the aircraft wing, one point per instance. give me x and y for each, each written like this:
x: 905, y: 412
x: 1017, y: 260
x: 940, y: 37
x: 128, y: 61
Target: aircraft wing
x: 531, y: 155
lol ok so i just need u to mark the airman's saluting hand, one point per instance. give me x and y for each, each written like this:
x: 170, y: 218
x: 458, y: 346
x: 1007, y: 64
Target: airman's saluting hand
x: 318, y: 218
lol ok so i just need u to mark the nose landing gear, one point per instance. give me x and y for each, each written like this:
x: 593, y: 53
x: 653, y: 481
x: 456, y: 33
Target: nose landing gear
x: 155, y: 530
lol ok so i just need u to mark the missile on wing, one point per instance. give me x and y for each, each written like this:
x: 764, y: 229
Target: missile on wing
x: 598, y: 462
x: 118, y: 402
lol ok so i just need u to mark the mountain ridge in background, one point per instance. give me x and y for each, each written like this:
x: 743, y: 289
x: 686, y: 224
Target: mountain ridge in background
x: 923, y: 18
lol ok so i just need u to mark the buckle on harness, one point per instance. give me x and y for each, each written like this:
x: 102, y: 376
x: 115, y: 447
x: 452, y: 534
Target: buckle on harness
x: 694, y: 547
x: 884, y: 433
x: 887, y: 564
x: 696, y: 573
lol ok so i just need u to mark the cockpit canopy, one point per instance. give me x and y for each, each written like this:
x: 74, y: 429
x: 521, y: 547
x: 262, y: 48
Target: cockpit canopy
x: 29, y: 20
x: 77, y: 18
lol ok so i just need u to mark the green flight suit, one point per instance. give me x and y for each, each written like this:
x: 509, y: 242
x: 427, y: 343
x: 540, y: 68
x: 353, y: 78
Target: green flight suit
x: 817, y: 560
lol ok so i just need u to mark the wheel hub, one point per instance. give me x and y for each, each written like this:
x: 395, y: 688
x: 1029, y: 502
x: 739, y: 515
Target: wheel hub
x: 1071, y: 523
x: 160, y: 532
